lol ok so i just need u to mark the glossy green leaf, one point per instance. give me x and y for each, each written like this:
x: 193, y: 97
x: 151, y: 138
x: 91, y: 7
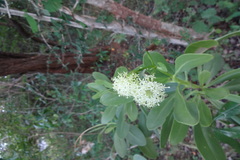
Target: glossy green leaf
x: 108, y: 114
x: 233, y: 85
x: 182, y: 112
x: 131, y: 111
x: 215, y: 65
x: 120, y: 145
x: 165, y: 131
x: 216, y: 93
x: 142, y: 125
x: 233, y: 74
x: 233, y: 98
x: 110, y: 128
x: 113, y: 99
x: 233, y: 132
x: 32, y: 22
x: 122, y: 126
x: 203, y: 77
x: 100, y: 76
x: 205, y: 114
x: 178, y: 133
x: 149, y: 150
x: 228, y: 140
x: 186, y: 62
x: 229, y: 110
x: 138, y: 157
x: 136, y: 137
x: 120, y: 70
x: 200, y: 46
x: 237, y: 33
x: 158, y: 114
x: 207, y: 144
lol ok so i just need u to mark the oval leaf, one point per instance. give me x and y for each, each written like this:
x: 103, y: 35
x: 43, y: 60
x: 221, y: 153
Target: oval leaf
x: 120, y: 145
x: 203, y: 77
x: 178, y: 132
x: 233, y: 74
x: 149, y: 150
x: 207, y: 144
x: 132, y: 111
x: 100, y: 76
x: 108, y: 114
x: 113, y: 99
x: 186, y: 62
x: 136, y: 137
x: 138, y: 157
x: 181, y: 112
x: 216, y: 93
x: 200, y: 46
x: 158, y: 115
x: 205, y: 114
x: 165, y: 131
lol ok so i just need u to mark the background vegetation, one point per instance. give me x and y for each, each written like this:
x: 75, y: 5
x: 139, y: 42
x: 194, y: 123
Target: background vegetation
x: 42, y: 114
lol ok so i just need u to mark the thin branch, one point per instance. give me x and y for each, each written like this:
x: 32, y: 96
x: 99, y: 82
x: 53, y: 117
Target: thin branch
x: 90, y: 23
x: 6, y: 4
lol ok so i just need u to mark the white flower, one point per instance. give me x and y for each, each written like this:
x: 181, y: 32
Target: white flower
x: 149, y: 93
x: 145, y: 91
x: 124, y: 84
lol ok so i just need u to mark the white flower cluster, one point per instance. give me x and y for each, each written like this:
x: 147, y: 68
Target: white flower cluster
x: 145, y: 91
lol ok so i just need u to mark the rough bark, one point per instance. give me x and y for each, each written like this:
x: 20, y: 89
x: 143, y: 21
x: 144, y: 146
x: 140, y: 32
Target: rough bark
x: 12, y: 63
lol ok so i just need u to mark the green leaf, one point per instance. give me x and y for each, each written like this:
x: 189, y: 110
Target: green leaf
x: 122, y: 126
x: 237, y: 33
x: 178, y: 132
x: 233, y: 74
x: 207, y: 144
x: 229, y: 110
x: 203, y: 77
x: 233, y: 132
x: 182, y: 113
x: 104, y: 83
x: 186, y: 62
x: 233, y: 85
x: 201, y: 46
x: 165, y: 131
x: 132, y: 111
x: 228, y: 140
x: 200, y: 26
x: 138, y: 157
x: 113, y: 99
x: 142, y: 125
x: 136, y: 137
x: 96, y: 87
x: 120, y: 70
x: 215, y: 65
x: 216, y: 93
x: 100, y: 76
x: 158, y: 114
x: 161, y: 67
x: 120, y: 145
x: 149, y: 150
x: 52, y: 5
x: 205, y: 114
x: 99, y: 94
x: 208, y: 13
x: 108, y: 114
x: 153, y: 58
x: 33, y: 24
x: 233, y: 98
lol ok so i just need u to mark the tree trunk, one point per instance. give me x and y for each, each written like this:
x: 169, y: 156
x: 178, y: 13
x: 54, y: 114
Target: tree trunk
x: 12, y: 63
